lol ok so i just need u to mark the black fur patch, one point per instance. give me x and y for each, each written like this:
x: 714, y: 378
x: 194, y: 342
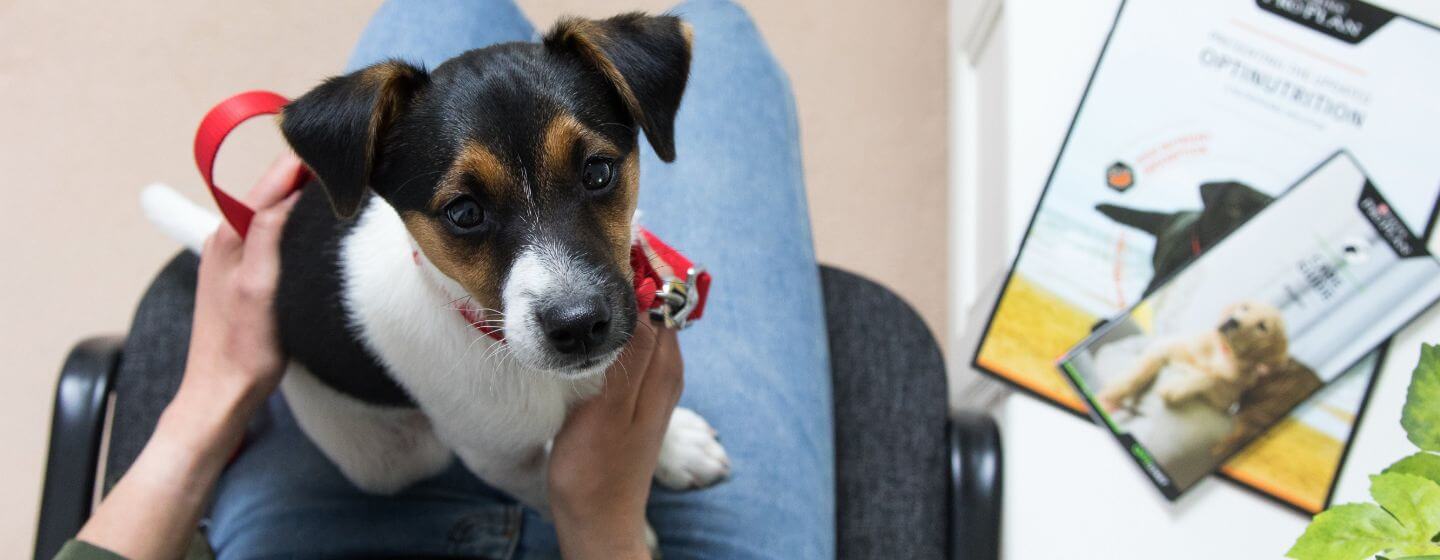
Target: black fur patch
x: 314, y: 324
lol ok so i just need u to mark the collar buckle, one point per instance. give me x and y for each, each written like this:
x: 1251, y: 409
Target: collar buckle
x: 678, y: 299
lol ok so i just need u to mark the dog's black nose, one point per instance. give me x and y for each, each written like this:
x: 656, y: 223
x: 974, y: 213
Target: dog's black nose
x: 576, y: 327
x: 1229, y: 325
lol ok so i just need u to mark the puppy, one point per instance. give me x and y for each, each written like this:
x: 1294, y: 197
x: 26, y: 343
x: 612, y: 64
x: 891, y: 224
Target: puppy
x: 1214, y: 368
x: 1182, y: 236
x: 494, y: 192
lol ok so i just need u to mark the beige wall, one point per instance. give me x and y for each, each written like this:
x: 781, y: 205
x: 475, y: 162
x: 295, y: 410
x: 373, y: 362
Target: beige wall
x: 98, y: 99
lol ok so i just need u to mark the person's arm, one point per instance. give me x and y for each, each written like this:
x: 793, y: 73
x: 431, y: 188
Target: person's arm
x: 604, y: 457
x: 233, y: 365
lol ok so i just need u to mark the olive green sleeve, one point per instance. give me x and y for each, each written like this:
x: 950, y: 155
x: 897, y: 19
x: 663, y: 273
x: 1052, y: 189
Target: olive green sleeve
x: 77, y: 549
x: 81, y: 550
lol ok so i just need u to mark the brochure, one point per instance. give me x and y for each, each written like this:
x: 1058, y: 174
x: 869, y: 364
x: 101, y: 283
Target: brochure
x: 1285, y: 304
x: 1196, y: 117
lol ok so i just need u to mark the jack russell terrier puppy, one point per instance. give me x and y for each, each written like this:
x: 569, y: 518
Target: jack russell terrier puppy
x: 494, y: 192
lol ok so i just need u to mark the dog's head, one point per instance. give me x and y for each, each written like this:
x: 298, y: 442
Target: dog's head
x: 1256, y: 334
x: 1227, y: 205
x: 515, y: 170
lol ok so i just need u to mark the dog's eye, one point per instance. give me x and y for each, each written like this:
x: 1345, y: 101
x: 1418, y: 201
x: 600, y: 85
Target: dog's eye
x: 1262, y: 327
x: 598, y: 173
x: 465, y: 214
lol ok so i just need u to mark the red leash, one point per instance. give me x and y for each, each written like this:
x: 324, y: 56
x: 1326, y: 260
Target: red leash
x: 217, y: 124
x: 667, y: 284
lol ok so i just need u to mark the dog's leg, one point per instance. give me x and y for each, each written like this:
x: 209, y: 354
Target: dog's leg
x: 1133, y: 384
x: 518, y: 473
x: 380, y: 449
x: 690, y: 455
x: 1192, y: 383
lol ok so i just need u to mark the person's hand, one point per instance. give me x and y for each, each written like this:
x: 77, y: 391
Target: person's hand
x: 603, y: 459
x: 235, y: 361
x: 234, y: 346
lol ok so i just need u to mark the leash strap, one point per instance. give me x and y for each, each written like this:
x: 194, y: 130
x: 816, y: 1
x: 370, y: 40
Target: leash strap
x: 217, y: 124
x: 667, y: 284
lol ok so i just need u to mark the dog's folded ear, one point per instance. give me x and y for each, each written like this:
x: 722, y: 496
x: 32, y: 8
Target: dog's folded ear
x: 337, y: 127
x: 645, y: 58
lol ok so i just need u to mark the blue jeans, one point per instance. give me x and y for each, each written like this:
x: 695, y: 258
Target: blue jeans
x: 757, y: 366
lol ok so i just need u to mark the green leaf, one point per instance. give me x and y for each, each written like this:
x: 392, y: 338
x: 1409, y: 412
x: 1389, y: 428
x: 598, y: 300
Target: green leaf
x: 1424, y: 551
x: 1422, y: 464
x: 1349, y: 532
x: 1414, y: 501
x: 1421, y: 415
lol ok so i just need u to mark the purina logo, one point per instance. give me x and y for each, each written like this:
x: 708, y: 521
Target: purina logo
x: 1347, y: 20
x: 1387, y: 224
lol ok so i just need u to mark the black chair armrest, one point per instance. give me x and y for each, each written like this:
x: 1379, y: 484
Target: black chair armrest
x: 975, y: 487
x: 76, y: 428
x: 888, y: 386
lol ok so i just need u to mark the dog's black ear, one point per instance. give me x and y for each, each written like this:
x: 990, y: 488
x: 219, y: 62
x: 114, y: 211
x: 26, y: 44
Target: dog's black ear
x: 337, y: 127
x: 645, y: 58
x: 1210, y: 193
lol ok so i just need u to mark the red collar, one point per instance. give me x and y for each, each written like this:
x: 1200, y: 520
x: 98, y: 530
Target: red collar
x: 667, y: 285
x: 660, y: 288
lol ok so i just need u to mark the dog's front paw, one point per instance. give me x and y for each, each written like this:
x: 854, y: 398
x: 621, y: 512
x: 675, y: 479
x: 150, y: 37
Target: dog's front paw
x: 690, y: 455
x: 652, y: 541
x: 1109, y: 402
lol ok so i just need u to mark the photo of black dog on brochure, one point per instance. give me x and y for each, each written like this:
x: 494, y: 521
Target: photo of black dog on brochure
x: 1182, y: 236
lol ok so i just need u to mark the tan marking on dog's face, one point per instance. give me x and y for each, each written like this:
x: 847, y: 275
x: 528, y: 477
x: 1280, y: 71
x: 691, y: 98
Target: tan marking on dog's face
x: 475, y: 165
x: 472, y: 265
x: 617, y: 218
x: 1260, y: 336
x: 479, y: 173
x: 561, y: 164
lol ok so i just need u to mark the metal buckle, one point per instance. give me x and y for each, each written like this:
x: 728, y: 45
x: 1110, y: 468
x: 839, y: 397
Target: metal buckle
x: 678, y: 298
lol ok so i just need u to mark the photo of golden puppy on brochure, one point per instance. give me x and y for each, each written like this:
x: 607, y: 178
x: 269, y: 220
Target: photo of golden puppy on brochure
x: 1231, y: 343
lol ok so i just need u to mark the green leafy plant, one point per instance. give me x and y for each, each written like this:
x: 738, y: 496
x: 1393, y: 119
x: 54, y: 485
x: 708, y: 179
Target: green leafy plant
x: 1404, y: 521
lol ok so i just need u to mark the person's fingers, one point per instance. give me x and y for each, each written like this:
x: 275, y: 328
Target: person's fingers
x: 616, y: 397
x: 261, y: 261
x: 223, y: 245
x: 278, y: 181
x: 663, y: 382
x: 626, y: 377
x: 268, y: 224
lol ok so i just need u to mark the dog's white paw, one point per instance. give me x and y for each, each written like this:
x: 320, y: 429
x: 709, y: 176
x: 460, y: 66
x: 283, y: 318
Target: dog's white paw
x: 652, y: 541
x: 690, y: 455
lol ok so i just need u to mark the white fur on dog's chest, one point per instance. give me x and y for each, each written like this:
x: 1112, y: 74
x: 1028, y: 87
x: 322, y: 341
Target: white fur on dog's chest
x: 461, y: 378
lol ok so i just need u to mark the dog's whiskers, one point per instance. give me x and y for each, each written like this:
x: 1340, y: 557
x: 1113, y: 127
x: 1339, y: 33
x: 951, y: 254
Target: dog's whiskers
x: 627, y: 128
x: 463, y: 353
x: 412, y: 179
x: 452, y: 304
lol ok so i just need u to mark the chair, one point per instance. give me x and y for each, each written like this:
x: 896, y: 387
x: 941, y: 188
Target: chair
x: 912, y: 482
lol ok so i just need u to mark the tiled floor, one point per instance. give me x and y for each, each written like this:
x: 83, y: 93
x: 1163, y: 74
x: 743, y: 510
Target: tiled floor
x: 98, y: 99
